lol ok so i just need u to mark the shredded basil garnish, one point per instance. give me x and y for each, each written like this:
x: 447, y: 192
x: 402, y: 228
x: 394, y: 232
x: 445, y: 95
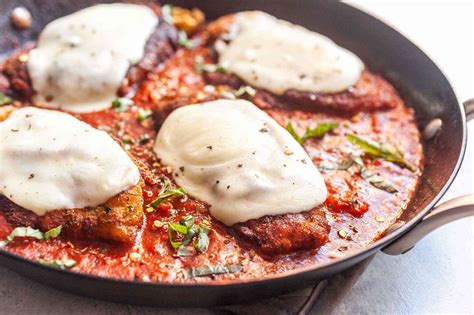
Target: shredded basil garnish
x: 375, y: 180
x: 121, y: 104
x: 208, y: 270
x: 320, y: 130
x: 184, y: 41
x: 5, y: 100
x: 64, y: 263
x: 143, y: 114
x: 166, y: 193
x: 202, y: 241
x: 385, y: 152
x: 201, y: 67
x: 52, y: 233
x: 166, y: 11
x: 183, y: 233
x: 27, y: 231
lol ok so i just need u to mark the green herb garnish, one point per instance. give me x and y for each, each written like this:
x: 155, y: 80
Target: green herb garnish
x: 166, y: 11
x: 320, y: 130
x: 121, y: 104
x: 208, y: 270
x: 52, y: 233
x: 5, y: 100
x: 143, y: 114
x: 201, y: 67
x: 184, y: 41
x: 27, y: 231
x: 375, y: 180
x: 202, y: 241
x: 183, y: 233
x: 167, y: 193
x: 385, y: 152
x: 64, y: 263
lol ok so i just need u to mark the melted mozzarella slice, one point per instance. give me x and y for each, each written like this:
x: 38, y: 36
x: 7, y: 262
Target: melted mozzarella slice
x: 51, y: 160
x: 239, y: 160
x: 276, y: 55
x: 82, y: 58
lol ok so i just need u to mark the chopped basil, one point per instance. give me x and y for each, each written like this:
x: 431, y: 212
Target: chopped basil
x: 121, y: 104
x: 5, y: 100
x: 202, y: 241
x: 320, y: 130
x: 208, y: 270
x: 385, y: 152
x: 184, y: 252
x: 379, y: 182
x: 200, y: 66
x: 27, y: 231
x: 143, y: 114
x: 64, y: 263
x: 250, y: 91
x: 166, y: 11
x: 52, y: 233
x: 183, y: 233
x: 375, y: 180
x: 184, y: 41
x: 182, y: 229
x: 166, y: 194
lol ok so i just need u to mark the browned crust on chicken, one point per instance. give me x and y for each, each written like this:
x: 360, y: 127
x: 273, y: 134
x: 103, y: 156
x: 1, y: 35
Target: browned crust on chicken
x: 118, y: 220
x: 283, y: 234
x: 370, y: 93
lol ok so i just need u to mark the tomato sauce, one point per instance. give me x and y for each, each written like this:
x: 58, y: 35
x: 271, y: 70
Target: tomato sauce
x: 358, y: 212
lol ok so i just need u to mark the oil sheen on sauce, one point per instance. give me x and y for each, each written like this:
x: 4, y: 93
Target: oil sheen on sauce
x: 276, y: 55
x: 82, y: 58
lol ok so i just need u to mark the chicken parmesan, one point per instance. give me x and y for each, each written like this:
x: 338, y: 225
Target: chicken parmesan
x: 173, y: 149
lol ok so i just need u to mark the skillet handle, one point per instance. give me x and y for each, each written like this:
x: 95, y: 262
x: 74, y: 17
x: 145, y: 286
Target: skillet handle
x: 446, y: 212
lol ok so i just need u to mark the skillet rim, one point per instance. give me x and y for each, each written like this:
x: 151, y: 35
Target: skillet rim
x: 306, y: 270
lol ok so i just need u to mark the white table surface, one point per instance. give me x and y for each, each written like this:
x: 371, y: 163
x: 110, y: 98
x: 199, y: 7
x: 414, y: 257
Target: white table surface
x: 437, y: 276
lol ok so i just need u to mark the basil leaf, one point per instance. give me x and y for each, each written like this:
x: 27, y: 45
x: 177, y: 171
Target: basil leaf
x: 202, y: 241
x: 187, y: 221
x: 64, y: 263
x: 143, y: 114
x: 379, y: 182
x: 385, y: 152
x: 166, y: 11
x: 174, y: 244
x: 52, y: 233
x: 5, y: 100
x: 121, y: 104
x: 200, y: 66
x: 178, y: 228
x: 184, y: 41
x: 22, y: 232
x: 167, y: 193
x: 320, y: 130
x: 184, y: 252
x: 208, y: 270
x: 293, y: 133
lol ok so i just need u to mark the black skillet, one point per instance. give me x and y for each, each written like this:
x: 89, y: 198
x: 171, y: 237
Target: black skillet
x: 416, y: 77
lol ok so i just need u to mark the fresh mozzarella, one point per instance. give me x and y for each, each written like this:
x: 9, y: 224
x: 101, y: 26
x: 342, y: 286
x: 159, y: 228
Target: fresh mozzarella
x: 239, y: 160
x: 276, y: 55
x: 51, y: 160
x: 82, y: 58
